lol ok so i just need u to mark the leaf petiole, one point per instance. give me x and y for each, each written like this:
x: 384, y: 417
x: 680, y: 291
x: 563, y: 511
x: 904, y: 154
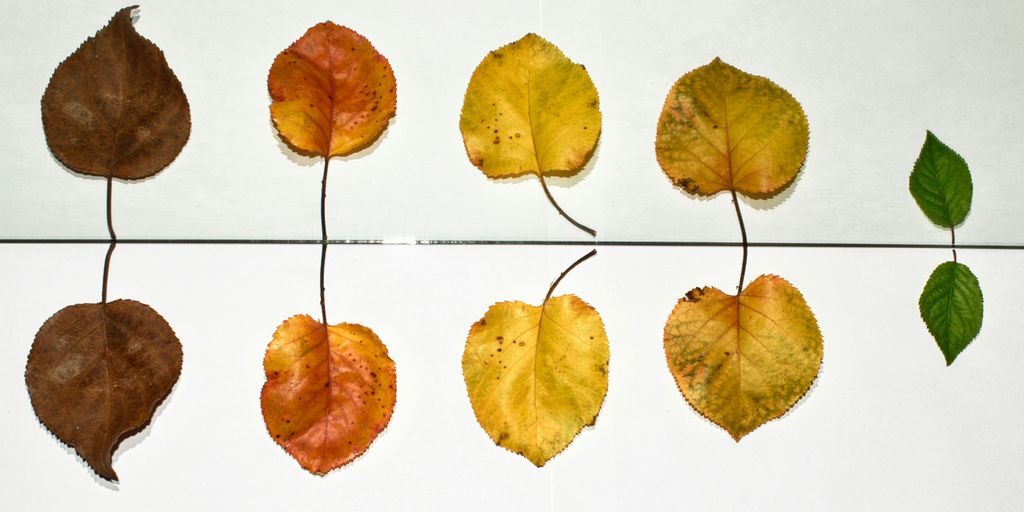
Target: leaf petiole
x: 113, y: 237
x: 585, y: 257
x: 743, y: 233
x: 952, y: 242
x: 323, y: 239
x: 560, y: 210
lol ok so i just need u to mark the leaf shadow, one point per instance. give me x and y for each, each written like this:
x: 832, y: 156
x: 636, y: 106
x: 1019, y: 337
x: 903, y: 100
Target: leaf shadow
x: 112, y: 486
x: 93, y: 177
x: 132, y: 438
x: 305, y: 160
x: 128, y: 441
x: 810, y: 390
x: 772, y: 202
x: 571, y: 181
x: 554, y: 181
x: 767, y: 203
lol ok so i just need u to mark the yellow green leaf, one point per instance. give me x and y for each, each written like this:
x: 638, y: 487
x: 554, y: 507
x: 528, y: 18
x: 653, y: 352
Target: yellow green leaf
x: 529, y: 109
x: 742, y: 361
x: 536, y: 375
x: 724, y: 129
x: 330, y: 390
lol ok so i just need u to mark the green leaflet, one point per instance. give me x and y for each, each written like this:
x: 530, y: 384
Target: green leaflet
x: 951, y: 307
x: 941, y: 183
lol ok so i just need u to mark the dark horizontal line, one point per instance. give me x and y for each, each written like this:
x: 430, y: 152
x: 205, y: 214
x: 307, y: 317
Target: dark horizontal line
x: 599, y: 243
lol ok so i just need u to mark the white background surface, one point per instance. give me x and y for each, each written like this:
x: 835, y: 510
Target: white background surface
x: 872, y: 77
x: 886, y: 426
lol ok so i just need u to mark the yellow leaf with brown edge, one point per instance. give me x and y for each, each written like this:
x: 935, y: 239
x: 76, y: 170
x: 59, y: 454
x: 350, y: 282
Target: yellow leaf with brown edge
x: 742, y: 361
x: 329, y: 391
x: 333, y: 93
x: 536, y: 375
x: 724, y: 129
x: 528, y: 109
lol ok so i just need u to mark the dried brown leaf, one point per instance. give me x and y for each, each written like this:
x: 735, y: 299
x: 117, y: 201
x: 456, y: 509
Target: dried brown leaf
x: 114, y: 107
x: 97, y: 372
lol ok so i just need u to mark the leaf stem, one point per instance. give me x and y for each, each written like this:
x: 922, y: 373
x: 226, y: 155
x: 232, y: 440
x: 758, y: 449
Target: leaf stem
x: 110, y: 216
x: 743, y: 233
x: 323, y: 239
x: 566, y: 271
x: 952, y: 242
x: 113, y: 236
x: 560, y: 210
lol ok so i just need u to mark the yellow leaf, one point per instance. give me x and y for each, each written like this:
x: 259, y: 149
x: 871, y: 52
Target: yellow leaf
x: 742, y: 361
x: 529, y: 109
x: 537, y: 375
x: 330, y: 390
x: 723, y: 129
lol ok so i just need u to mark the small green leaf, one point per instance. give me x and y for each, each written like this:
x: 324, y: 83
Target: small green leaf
x: 941, y: 183
x: 951, y: 307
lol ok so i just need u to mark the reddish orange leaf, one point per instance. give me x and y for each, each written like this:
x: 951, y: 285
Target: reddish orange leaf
x: 332, y: 93
x: 330, y: 390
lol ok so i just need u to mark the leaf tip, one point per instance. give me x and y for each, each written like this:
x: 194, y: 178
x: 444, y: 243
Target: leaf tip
x: 537, y: 461
x: 126, y: 10
x: 107, y: 473
x: 123, y: 16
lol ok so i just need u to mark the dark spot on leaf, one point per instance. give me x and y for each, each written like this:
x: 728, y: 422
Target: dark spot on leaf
x: 694, y: 295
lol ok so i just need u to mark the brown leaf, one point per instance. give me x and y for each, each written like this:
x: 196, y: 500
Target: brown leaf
x: 97, y: 372
x: 114, y: 107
